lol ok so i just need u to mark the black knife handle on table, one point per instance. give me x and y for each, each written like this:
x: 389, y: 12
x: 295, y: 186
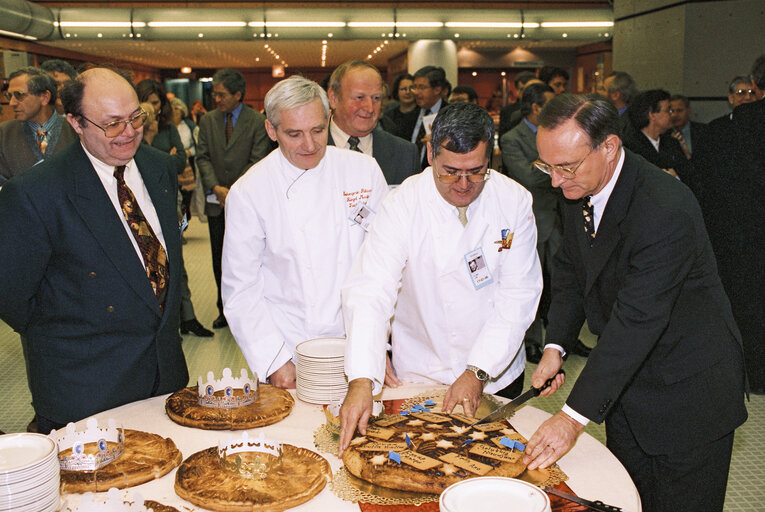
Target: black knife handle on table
x: 548, y: 382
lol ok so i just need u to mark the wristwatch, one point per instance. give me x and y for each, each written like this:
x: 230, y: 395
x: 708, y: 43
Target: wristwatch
x: 479, y: 374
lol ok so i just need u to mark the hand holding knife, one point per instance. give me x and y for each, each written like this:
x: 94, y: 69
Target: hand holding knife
x: 507, y: 410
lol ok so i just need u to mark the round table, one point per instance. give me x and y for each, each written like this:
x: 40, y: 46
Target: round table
x: 594, y: 473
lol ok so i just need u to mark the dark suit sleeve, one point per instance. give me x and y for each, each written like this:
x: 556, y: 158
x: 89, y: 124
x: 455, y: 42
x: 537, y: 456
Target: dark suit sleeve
x: 566, y: 315
x: 204, y: 157
x: 180, y: 153
x: 261, y: 145
x: 25, y: 250
x: 661, y: 251
x: 519, y: 166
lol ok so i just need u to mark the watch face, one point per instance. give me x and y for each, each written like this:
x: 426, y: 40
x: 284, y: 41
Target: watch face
x: 482, y: 375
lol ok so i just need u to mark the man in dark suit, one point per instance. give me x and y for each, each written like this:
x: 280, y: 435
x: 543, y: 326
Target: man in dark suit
x: 38, y: 131
x: 97, y: 311
x: 686, y: 132
x: 652, y: 139
x: 355, y: 92
x: 732, y: 176
x: 232, y: 138
x: 636, y: 264
x: 509, y: 115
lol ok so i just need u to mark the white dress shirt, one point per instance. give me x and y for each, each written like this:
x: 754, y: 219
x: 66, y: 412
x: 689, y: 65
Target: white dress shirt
x: 341, y: 139
x: 288, y: 246
x: 134, y: 181
x: 412, y: 268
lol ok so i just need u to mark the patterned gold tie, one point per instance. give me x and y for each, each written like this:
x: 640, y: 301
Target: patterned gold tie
x: 229, y: 126
x: 353, y: 143
x: 154, y: 255
x: 588, y: 211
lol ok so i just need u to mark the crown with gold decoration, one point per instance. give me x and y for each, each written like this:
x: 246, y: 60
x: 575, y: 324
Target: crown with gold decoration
x: 249, y: 457
x: 231, y: 392
x: 77, y: 440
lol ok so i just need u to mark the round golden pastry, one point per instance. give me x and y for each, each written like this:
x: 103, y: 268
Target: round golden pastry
x: 301, y: 475
x: 145, y: 457
x: 433, y: 441
x: 273, y: 405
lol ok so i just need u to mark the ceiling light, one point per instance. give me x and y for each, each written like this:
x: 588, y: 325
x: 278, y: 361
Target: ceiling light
x: 474, y: 73
x: 420, y: 24
x: 371, y: 24
x: 330, y: 34
x: 186, y: 24
x: 99, y: 34
x: 305, y: 24
x: 185, y: 70
x: 22, y: 36
x: 503, y: 74
x: 576, y: 24
x: 490, y: 24
x: 102, y: 24
x: 605, y: 35
x: 456, y: 35
x: 200, y: 34
x: 564, y: 34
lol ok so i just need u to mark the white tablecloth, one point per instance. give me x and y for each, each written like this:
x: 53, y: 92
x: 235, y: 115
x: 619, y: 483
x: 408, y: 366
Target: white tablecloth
x: 594, y: 473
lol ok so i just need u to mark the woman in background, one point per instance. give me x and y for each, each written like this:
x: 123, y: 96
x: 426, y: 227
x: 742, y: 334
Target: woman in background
x: 185, y: 127
x: 404, y: 116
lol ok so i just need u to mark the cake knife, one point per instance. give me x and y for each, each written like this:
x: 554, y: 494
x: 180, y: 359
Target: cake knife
x: 507, y: 410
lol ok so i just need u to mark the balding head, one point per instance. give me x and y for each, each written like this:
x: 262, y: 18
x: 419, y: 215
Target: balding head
x: 96, y: 99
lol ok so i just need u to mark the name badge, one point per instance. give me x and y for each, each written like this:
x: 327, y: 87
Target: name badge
x: 363, y: 216
x: 479, y: 272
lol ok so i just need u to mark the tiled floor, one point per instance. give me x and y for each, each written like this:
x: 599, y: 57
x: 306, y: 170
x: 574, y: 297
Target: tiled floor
x: 746, y: 487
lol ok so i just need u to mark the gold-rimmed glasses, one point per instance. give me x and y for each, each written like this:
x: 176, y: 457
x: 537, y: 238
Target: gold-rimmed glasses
x: 115, y: 128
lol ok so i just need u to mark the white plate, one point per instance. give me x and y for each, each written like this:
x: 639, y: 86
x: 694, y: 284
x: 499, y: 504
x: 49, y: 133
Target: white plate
x: 322, y: 348
x: 493, y: 493
x: 18, y: 451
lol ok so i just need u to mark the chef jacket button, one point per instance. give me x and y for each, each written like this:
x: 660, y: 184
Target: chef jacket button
x: 92, y: 274
x: 110, y: 309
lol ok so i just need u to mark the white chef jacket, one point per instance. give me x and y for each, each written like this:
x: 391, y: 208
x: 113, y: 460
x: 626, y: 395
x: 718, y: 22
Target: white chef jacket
x: 414, y: 259
x: 288, y: 245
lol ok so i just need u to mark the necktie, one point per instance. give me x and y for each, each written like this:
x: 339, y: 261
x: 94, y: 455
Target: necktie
x: 229, y: 126
x: 353, y: 142
x: 589, y: 218
x: 154, y: 255
x: 462, y: 214
x: 42, y: 139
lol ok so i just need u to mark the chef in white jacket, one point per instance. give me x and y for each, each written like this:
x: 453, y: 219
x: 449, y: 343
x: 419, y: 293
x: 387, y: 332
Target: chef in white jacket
x: 452, y: 259
x: 294, y: 222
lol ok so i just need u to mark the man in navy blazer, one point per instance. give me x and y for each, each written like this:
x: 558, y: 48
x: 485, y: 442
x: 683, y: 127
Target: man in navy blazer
x: 75, y: 288
x: 667, y: 374
x: 355, y: 93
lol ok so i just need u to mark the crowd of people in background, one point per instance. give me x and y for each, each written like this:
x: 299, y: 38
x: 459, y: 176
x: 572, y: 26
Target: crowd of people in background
x: 292, y: 261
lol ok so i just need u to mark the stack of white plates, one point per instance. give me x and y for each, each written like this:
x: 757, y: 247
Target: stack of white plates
x: 493, y: 493
x: 320, y: 370
x: 29, y: 473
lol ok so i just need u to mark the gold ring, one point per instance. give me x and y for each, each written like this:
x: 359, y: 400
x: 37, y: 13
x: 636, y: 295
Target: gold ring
x: 465, y: 400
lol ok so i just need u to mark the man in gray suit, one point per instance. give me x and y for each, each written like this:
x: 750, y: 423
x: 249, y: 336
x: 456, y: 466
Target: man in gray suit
x: 231, y: 139
x: 519, y: 150
x: 355, y: 93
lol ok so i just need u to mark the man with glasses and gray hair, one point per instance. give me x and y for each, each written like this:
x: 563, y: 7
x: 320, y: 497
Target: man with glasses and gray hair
x: 91, y: 252
x: 452, y: 259
x: 294, y: 221
x: 37, y: 132
x: 636, y: 263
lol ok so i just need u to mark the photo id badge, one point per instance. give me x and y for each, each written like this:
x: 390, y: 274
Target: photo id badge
x: 479, y: 272
x: 363, y: 216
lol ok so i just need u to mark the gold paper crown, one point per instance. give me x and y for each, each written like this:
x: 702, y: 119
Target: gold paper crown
x: 249, y: 457
x: 78, y: 460
x: 229, y: 385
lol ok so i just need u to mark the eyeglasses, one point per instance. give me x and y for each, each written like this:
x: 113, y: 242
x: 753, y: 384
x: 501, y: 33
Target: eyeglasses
x: 565, y: 172
x: 451, y: 179
x: 16, y: 94
x: 740, y: 92
x: 115, y: 128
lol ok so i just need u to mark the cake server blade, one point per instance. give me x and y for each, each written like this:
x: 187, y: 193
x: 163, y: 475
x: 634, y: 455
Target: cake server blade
x: 594, y: 505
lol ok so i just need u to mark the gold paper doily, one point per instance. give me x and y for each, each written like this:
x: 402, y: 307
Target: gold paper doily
x: 349, y: 488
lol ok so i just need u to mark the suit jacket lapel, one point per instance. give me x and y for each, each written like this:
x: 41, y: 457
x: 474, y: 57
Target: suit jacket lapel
x: 608, y: 234
x: 97, y: 211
